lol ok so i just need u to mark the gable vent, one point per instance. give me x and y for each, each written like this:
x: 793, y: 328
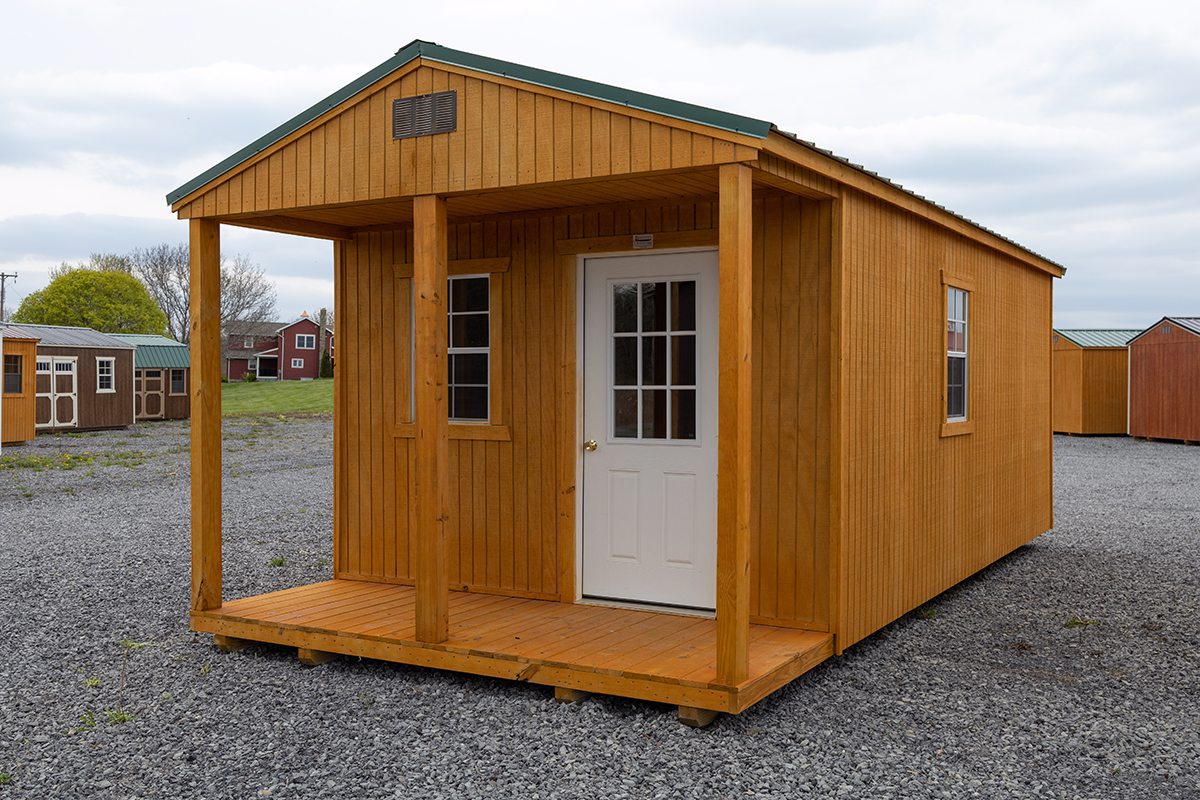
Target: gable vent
x: 425, y: 115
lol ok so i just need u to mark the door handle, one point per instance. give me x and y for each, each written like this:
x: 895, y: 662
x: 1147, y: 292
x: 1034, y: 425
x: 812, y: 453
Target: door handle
x: 590, y: 445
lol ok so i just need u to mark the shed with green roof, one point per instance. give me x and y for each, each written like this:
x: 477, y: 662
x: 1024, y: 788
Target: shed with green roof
x: 1091, y: 380
x: 162, y: 374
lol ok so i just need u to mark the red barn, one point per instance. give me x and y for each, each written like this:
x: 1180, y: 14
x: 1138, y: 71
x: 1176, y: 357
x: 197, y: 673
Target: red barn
x: 1164, y: 380
x: 275, y: 350
x: 297, y: 353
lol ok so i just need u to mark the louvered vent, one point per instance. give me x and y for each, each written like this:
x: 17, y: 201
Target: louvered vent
x: 425, y: 115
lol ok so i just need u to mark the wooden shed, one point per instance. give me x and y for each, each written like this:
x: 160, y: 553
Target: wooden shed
x: 633, y: 396
x: 83, y: 378
x: 1164, y: 380
x: 18, y: 352
x: 1091, y: 380
x: 161, y: 369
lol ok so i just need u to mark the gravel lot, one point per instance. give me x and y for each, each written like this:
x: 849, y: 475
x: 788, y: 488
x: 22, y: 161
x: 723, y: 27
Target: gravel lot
x: 993, y: 692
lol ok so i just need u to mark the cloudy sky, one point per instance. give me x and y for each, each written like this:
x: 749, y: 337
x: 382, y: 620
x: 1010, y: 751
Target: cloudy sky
x: 1071, y: 127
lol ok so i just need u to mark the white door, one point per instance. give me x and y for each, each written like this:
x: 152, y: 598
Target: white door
x: 57, y: 392
x: 650, y: 405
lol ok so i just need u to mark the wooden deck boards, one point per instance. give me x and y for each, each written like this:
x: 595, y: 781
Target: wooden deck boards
x: 629, y: 652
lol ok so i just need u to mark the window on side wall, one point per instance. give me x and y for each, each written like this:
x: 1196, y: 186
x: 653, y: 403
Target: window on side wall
x: 469, y: 348
x: 297, y: 363
x: 13, y: 374
x: 957, y: 296
x: 105, y: 371
x: 178, y: 382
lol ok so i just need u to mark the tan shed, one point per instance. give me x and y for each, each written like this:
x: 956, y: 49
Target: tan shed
x: 688, y: 406
x: 1091, y: 380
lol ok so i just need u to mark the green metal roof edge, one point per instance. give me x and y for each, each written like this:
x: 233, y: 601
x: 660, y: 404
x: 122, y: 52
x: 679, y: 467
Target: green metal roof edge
x: 1085, y: 341
x: 538, y: 77
x: 160, y: 357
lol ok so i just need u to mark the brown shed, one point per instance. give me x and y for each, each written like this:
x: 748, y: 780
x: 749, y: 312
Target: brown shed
x: 83, y: 380
x: 1164, y: 380
x: 19, y: 352
x: 1091, y: 380
x: 161, y: 373
x: 633, y: 396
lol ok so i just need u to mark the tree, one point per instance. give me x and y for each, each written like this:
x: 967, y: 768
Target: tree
x: 246, y: 294
x: 100, y: 262
x: 111, y: 301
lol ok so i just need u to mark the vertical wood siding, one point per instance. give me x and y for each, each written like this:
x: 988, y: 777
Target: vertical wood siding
x: 1068, y: 386
x: 1164, y: 384
x: 1105, y: 390
x: 919, y: 511
x: 507, y: 527
x: 18, y: 409
x: 506, y: 137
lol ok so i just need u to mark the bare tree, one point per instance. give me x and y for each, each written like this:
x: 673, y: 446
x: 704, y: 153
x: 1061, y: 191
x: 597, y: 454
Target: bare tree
x: 246, y: 294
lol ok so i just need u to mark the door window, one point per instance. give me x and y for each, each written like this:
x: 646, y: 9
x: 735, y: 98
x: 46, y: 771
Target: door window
x: 654, y: 360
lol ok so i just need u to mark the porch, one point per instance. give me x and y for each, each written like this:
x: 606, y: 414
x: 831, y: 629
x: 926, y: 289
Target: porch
x: 657, y: 656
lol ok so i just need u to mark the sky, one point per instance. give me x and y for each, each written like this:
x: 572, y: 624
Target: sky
x: 1070, y: 127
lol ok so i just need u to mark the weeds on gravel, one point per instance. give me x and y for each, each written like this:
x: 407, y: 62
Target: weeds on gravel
x: 87, y: 721
x: 1080, y: 622
x: 204, y: 670
x: 92, y: 682
x: 926, y: 612
x: 6, y: 778
x: 42, y: 463
x: 118, y: 716
x: 277, y: 561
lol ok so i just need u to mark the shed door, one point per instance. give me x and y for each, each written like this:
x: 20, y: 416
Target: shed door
x: 152, y: 394
x: 650, y: 405
x: 55, y: 404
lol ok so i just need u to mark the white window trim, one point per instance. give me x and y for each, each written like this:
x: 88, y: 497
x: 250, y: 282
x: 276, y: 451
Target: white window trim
x: 487, y: 351
x: 248, y: 343
x: 112, y: 374
x: 297, y: 363
x: 306, y: 337
x: 965, y: 424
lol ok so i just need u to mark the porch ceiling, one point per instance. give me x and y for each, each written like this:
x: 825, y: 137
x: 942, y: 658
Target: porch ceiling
x: 336, y: 221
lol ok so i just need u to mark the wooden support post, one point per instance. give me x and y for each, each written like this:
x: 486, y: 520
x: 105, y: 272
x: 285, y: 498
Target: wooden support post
x: 734, y: 425
x: 432, y: 414
x: 229, y: 644
x: 314, y: 658
x: 205, y: 337
x: 564, y: 695
x: 697, y: 717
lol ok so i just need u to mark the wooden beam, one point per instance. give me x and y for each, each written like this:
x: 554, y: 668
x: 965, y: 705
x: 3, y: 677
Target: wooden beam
x: 294, y: 225
x: 229, y: 644
x: 460, y: 266
x: 205, y: 338
x: 432, y: 471
x: 734, y: 424
x: 314, y: 658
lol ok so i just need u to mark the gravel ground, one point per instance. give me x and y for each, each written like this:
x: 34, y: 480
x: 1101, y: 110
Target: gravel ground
x: 1070, y: 669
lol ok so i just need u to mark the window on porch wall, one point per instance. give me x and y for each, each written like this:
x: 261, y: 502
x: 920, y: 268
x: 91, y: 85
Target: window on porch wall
x: 469, y: 350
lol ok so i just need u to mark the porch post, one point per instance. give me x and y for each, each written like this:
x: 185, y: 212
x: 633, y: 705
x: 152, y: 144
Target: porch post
x: 735, y: 420
x: 432, y: 414
x: 204, y: 327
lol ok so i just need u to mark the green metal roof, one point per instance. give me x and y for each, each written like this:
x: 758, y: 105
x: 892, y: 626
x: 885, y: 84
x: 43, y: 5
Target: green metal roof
x: 1097, y: 337
x: 156, y: 352
x: 505, y: 69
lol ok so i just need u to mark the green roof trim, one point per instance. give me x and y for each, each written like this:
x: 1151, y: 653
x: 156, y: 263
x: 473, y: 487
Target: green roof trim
x: 713, y: 118
x: 1097, y: 337
x: 156, y: 352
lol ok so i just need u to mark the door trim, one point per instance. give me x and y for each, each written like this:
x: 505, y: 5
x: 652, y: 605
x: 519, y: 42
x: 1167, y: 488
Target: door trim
x: 580, y: 319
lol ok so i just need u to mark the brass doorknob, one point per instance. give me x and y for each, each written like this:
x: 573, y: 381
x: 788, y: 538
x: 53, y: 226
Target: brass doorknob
x: 590, y: 445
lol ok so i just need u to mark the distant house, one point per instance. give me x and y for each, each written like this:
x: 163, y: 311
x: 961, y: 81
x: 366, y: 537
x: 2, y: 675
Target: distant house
x: 18, y: 352
x: 83, y: 378
x: 161, y: 373
x: 286, y: 351
x: 1091, y: 380
x: 1164, y: 380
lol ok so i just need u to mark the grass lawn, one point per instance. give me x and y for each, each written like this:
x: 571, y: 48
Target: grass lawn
x: 277, y: 397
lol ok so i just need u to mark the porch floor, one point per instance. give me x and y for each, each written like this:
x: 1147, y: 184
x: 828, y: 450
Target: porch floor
x: 647, y: 655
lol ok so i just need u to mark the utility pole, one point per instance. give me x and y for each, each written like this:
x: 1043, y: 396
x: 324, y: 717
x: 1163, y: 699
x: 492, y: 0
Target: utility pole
x: 4, y: 276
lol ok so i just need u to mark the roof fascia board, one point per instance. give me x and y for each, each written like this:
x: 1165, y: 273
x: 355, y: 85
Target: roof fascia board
x: 863, y: 181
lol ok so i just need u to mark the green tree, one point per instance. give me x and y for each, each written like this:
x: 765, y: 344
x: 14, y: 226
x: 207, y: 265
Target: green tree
x: 111, y: 301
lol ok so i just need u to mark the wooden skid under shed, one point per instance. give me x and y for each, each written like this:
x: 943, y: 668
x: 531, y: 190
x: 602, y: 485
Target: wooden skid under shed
x: 662, y: 657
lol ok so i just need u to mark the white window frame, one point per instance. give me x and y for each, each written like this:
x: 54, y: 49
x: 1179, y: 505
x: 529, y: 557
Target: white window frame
x: 112, y: 375
x: 297, y: 363
x: 954, y: 320
x: 487, y: 351
x: 311, y: 338
x: 248, y: 343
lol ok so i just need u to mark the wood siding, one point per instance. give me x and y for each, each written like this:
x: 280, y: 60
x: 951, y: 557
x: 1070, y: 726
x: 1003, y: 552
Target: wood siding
x: 18, y: 409
x: 512, y: 521
x: 921, y: 511
x: 1068, y: 386
x: 508, y: 135
x: 1164, y: 384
